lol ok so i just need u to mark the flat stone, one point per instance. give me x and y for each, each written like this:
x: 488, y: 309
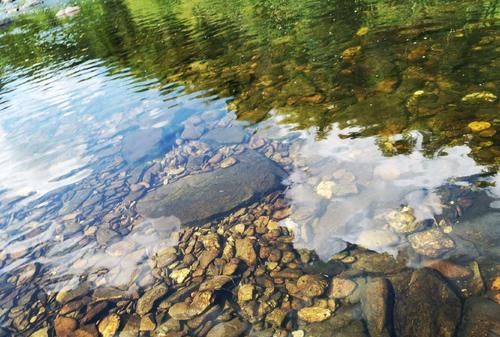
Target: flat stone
x: 341, y: 288
x: 375, y: 306
x: 64, y: 326
x: 311, y: 285
x: 246, y: 251
x: 215, y: 283
x: 232, y: 328
x: 314, y: 314
x: 449, y: 270
x: 109, y: 325
x: 432, y: 242
x: 44, y: 332
x: 197, y: 198
x: 131, y: 328
x: 147, y: 301
x: 377, y: 239
x: 276, y: 317
x: 246, y: 292
x: 425, y: 305
x: 232, y: 135
x: 183, y: 311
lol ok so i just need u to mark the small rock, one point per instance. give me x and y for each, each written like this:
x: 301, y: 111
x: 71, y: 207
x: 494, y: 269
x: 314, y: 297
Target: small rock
x: 375, y: 307
x: 147, y: 301
x: 184, y: 311
x: 228, y: 162
x: 44, y: 332
x: 377, y: 239
x: 341, y: 288
x: 147, y: 323
x: 350, y: 53
x: 314, y: 314
x: 109, y: 325
x: 246, y: 251
x: 246, y: 292
x: 311, y: 285
x: 403, y: 221
x: 449, y: 270
x: 479, y: 126
x: 180, y: 275
x: 325, y: 189
x: 64, y: 326
x: 431, y: 243
x: 276, y: 317
x: 215, y: 283
x: 232, y: 328
x: 480, y: 96
x: 298, y: 333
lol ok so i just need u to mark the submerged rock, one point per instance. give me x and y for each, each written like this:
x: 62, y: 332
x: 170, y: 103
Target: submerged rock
x: 314, y: 314
x: 200, y: 197
x: 232, y: 328
x: 425, y: 306
x: 375, y: 303
x: 432, y: 242
x: 480, y: 318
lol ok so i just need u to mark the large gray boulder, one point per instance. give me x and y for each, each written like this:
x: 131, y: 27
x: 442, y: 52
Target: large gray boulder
x: 198, y: 198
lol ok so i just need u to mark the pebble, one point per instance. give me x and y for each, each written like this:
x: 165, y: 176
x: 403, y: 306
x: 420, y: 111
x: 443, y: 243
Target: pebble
x: 147, y: 301
x: 64, y: 326
x: 341, y: 288
x: 246, y: 251
x: 228, y: 162
x: 314, y: 314
x: 298, y: 333
x: 183, y: 311
x: 377, y: 238
x: 109, y: 325
x: 246, y: 292
x: 431, y: 243
x: 480, y: 96
x: 180, y: 275
x: 44, y: 332
x: 403, y: 221
x: 449, y: 270
x: 325, y: 189
x: 478, y: 126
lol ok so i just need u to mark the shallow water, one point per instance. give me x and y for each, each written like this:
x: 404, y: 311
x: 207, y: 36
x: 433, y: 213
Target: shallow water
x: 382, y: 116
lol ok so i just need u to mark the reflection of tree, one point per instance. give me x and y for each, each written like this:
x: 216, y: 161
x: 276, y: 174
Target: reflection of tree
x: 271, y: 54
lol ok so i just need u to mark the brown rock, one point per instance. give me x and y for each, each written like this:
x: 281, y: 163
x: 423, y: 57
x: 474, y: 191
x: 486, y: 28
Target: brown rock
x: 109, y: 325
x: 147, y: 301
x: 311, y: 285
x: 86, y: 331
x: 245, y: 251
x: 184, y: 311
x: 314, y: 314
x: 64, y: 326
x: 341, y: 288
x: 449, y: 270
x: 215, y: 283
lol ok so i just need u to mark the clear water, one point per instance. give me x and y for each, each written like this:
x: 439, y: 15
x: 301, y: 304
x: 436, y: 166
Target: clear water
x: 364, y: 100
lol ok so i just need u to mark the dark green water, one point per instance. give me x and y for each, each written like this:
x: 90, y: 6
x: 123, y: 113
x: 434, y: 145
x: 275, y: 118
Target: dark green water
x: 380, y: 117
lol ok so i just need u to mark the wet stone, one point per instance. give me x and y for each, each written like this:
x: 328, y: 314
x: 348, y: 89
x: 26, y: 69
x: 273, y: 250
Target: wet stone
x: 215, y: 283
x: 375, y: 303
x: 232, y: 328
x: 314, y: 314
x: 341, y: 288
x: 432, y: 243
x: 147, y: 301
x: 196, y: 198
x: 185, y: 311
x: 64, y: 326
x: 425, y: 305
x: 245, y: 251
x: 109, y: 325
